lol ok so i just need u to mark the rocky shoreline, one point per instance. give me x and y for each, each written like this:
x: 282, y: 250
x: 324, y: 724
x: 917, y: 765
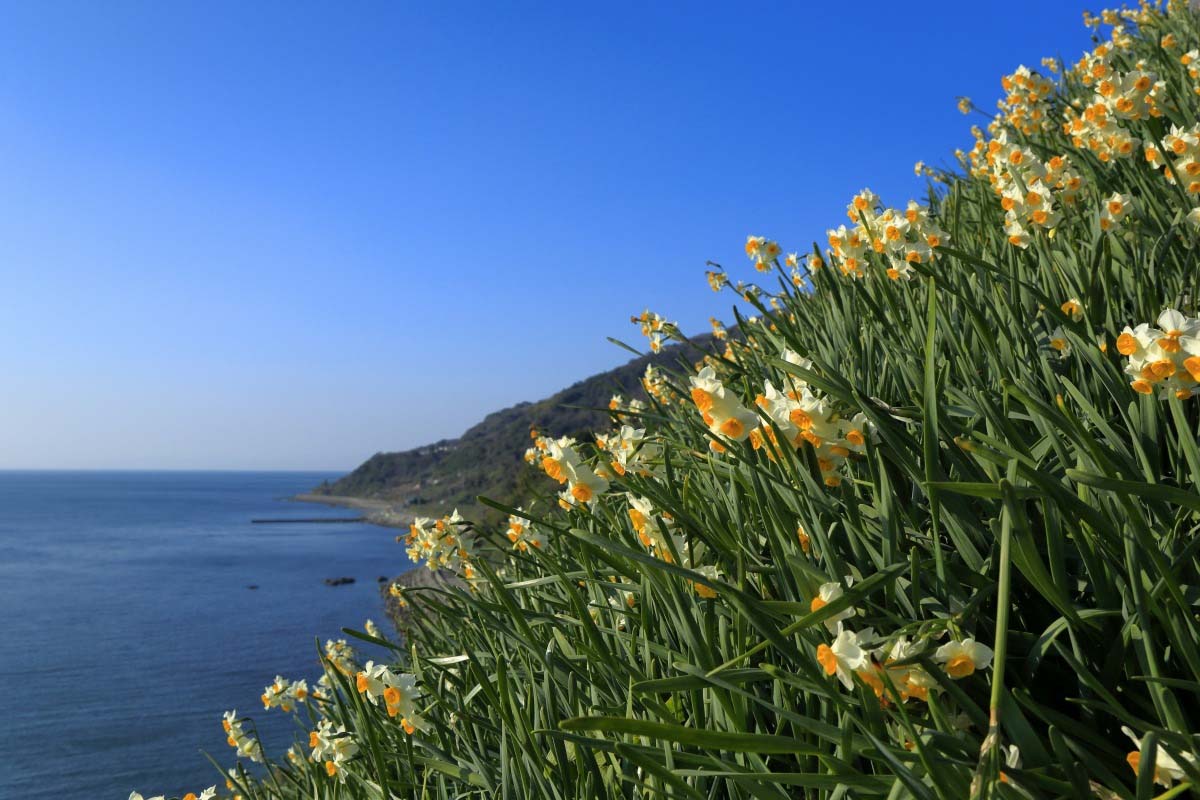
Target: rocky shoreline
x: 376, y: 512
x: 384, y: 514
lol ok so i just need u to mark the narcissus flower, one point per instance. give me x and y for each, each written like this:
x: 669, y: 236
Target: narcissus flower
x: 963, y: 658
x: 631, y: 451
x: 762, y: 252
x: 333, y: 746
x: 247, y: 745
x: 207, y: 794
x: 341, y: 655
x: 711, y: 572
x: 1165, y: 359
x: 1060, y: 343
x: 523, y: 535
x: 1166, y: 769
x: 804, y: 538
x: 845, y: 656
x: 644, y: 518
x: 723, y: 413
x: 911, y: 680
x: 828, y: 593
x: 284, y: 694
x: 1114, y: 211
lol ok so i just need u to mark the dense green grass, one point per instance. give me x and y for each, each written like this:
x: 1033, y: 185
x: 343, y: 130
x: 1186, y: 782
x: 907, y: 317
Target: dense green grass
x: 1013, y: 488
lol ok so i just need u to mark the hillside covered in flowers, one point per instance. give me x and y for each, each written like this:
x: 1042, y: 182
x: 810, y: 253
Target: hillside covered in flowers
x: 927, y: 527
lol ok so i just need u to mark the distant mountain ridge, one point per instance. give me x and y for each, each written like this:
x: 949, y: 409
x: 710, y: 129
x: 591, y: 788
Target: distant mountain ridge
x: 487, y: 459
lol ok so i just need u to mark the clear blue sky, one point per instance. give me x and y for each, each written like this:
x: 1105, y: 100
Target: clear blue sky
x: 289, y: 235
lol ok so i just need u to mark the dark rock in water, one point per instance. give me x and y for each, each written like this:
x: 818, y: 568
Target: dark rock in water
x: 252, y: 586
x: 338, y: 581
x: 383, y: 578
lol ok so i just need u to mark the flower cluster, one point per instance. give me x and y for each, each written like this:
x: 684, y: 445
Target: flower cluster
x: 1031, y: 191
x: 560, y: 459
x: 1026, y: 106
x: 247, y: 745
x: 523, y: 535
x: 762, y: 252
x: 207, y: 794
x: 1114, y: 211
x: 396, y: 692
x: 899, y: 238
x: 341, y: 655
x: 879, y: 663
x: 656, y: 385
x: 284, y: 694
x: 631, y: 450
x: 332, y: 746
x: 806, y: 418
x: 654, y: 327
x: 1166, y: 358
x: 720, y: 408
x: 1131, y: 96
x: 441, y: 543
x: 653, y: 528
x: 1183, y: 152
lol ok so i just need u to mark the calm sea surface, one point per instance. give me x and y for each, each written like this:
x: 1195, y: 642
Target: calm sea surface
x: 127, y: 628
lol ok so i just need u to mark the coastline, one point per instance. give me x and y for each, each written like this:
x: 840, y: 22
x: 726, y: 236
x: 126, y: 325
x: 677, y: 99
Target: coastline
x: 378, y: 512
x: 384, y: 514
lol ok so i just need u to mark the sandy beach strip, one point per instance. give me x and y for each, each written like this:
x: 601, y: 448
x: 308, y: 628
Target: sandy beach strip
x: 379, y: 512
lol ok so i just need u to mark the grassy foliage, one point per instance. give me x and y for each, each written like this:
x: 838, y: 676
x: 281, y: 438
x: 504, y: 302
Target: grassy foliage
x: 1015, y: 491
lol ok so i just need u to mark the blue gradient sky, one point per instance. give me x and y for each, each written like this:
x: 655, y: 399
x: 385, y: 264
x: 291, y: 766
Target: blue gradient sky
x: 289, y: 235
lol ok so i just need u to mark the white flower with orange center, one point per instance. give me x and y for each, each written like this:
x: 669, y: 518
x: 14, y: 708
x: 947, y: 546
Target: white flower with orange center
x: 332, y: 746
x: 911, y: 679
x: 828, y: 593
x: 631, y: 451
x: 1166, y: 769
x: 854, y: 432
x: 1073, y: 309
x: 963, y: 658
x: 283, y: 694
x: 644, y: 518
x: 1114, y: 211
x: 523, y: 535
x: 762, y: 252
x: 845, y: 656
x: 712, y: 573
x: 723, y: 413
x: 1165, y: 359
x: 1060, y: 343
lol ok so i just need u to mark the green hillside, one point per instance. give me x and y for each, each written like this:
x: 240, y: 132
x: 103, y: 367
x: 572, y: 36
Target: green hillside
x: 486, y: 460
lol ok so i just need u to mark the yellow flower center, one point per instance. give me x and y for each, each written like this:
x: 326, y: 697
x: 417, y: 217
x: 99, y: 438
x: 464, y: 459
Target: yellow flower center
x: 733, y: 428
x: 960, y: 666
x: 827, y: 659
x: 554, y: 469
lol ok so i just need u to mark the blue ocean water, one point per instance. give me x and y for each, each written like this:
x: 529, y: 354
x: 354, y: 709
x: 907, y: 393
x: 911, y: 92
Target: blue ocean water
x: 127, y: 628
